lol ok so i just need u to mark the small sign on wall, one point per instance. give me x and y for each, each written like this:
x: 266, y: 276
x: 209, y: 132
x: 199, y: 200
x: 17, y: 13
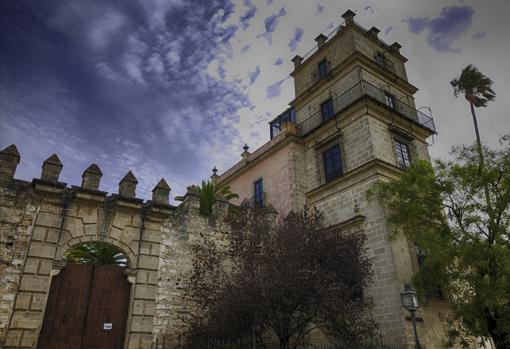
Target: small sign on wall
x: 107, y: 326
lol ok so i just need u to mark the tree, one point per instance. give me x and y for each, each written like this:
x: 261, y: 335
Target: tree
x: 465, y: 238
x: 280, y: 278
x: 96, y: 253
x: 209, y: 192
x: 477, y: 89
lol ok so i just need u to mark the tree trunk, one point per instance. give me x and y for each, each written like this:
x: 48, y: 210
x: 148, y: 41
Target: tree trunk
x: 284, y: 342
x: 477, y: 133
x: 498, y: 338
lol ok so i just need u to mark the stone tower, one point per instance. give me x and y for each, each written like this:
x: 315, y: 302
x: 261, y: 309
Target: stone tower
x: 352, y: 123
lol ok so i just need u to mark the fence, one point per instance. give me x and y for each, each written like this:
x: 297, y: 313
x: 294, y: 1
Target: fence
x: 365, y: 89
x: 256, y: 343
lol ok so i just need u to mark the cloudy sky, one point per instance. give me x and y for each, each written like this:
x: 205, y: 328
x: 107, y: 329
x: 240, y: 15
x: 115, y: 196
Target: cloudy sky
x: 171, y: 88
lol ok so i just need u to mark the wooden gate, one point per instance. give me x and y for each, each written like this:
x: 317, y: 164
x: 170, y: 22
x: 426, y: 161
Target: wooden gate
x: 87, y: 309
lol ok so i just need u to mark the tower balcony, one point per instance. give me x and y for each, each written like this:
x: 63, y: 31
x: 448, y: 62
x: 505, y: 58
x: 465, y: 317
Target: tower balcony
x: 366, y: 90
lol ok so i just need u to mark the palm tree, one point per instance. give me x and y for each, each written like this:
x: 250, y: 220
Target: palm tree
x: 96, y: 253
x: 209, y: 192
x: 477, y: 89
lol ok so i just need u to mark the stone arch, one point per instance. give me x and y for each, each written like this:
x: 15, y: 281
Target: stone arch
x: 123, y: 247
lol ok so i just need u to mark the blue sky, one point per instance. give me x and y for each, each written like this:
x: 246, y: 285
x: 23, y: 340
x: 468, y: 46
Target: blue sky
x: 171, y: 88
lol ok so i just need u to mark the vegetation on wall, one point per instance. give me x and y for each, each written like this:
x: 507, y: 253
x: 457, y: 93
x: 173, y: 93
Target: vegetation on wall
x: 280, y: 279
x: 209, y: 192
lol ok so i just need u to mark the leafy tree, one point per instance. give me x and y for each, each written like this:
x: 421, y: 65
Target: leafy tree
x: 96, y: 253
x: 477, y: 89
x: 209, y: 192
x: 445, y: 211
x: 280, y: 278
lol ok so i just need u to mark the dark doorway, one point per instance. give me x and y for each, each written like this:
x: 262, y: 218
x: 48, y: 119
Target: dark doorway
x: 87, y: 308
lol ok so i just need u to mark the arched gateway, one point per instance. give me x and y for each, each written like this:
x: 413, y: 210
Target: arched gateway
x: 48, y: 302
x: 88, y: 300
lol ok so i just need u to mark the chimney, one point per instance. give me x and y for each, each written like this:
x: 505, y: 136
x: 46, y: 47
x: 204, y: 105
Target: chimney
x: 9, y: 160
x: 51, y: 169
x: 91, y: 177
x: 161, y: 193
x: 127, y: 185
x: 348, y: 16
x: 297, y: 60
x: 321, y: 40
x: 374, y: 31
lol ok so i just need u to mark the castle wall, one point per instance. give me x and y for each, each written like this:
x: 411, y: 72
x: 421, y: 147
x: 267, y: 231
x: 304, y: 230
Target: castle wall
x: 45, y: 219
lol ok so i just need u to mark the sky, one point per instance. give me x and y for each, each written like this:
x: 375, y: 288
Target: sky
x: 172, y: 88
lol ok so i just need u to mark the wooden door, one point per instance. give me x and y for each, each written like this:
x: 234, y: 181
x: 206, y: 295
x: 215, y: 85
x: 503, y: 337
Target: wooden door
x: 107, y: 314
x: 66, y: 309
x: 87, y: 309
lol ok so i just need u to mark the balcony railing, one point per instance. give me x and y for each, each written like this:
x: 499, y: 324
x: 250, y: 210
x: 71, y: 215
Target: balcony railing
x: 365, y: 89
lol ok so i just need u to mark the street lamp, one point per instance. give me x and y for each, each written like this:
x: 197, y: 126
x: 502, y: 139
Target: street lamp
x: 410, y: 303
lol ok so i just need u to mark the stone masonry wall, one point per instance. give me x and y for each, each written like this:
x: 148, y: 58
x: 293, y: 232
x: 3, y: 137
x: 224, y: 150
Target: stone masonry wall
x: 42, y: 220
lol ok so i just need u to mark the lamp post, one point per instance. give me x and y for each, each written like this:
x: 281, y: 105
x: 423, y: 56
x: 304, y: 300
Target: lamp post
x: 410, y: 303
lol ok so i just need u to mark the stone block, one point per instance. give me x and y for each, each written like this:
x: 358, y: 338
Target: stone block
x: 28, y: 339
x: 13, y: 338
x: 39, y: 233
x: 141, y: 324
x: 38, y: 301
x: 23, y: 301
x: 31, y: 265
x: 152, y: 236
x: 34, y: 283
x: 49, y: 220
x: 148, y: 262
x: 145, y: 292
x: 41, y: 249
x: 44, y: 267
x: 26, y: 320
x: 52, y: 235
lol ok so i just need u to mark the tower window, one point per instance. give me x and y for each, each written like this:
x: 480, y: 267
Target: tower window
x: 323, y: 68
x: 259, y: 193
x: 332, y: 163
x: 327, y: 110
x: 402, y: 153
x: 389, y: 99
x: 379, y: 58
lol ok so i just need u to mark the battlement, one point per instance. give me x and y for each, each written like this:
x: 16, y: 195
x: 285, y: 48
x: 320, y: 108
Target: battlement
x: 49, y: 185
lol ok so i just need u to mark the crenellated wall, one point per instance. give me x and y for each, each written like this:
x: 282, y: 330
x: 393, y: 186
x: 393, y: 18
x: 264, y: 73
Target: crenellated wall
x: 42, y: 219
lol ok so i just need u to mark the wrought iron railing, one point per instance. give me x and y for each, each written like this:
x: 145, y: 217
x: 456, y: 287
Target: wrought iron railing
x: 365, y: 89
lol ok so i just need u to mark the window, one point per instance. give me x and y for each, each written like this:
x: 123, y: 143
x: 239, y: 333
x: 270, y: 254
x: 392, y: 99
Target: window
x: 402, y: 153
x: 332, y: 163
x: 323, y: 68
x: 379, y: 58
x: 389, y: 99
x: 259, y: 193
x: 432, y: 291
x: 327, y: 110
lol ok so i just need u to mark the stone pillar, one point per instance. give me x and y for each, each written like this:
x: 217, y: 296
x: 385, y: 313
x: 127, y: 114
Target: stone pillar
x: 245, y: 154
x: 395, y: 47
x: 91, y: 177
x: 191, y: 199
x: 214, y: 177
x: 161, y: 193
x: 127, y: 185
x: 220, y: 207
x: 348, y: 16
x: 374, y: 31
x: 9, y: 160
x: 297, y: 60
x: 321, y: 40
x: 51, y: 169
